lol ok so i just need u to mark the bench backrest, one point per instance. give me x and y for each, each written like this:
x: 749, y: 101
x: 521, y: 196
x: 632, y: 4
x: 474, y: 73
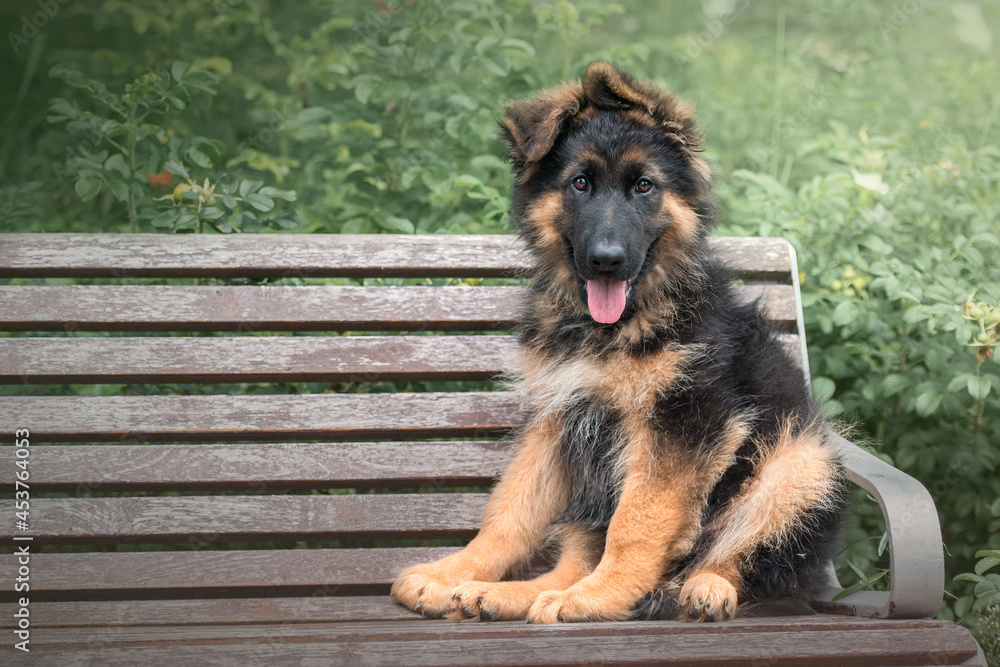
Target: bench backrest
x: 196, y: 488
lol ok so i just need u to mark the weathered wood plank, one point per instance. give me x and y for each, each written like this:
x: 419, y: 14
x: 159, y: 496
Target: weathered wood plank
x: 253, y: 308
x: 411, y: 626
x: 263, y: 359
x: 254, y: 359
x: 165, y: 575
x: 312, y: 255
x: 519, y: 644
x: 219, y: 519
x: 259, y: 467
x: 261, y: 417
x: 240, y: 611
x: 356, y: 611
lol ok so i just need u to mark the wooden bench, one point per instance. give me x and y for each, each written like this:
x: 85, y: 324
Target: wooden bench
x: 178, y: 514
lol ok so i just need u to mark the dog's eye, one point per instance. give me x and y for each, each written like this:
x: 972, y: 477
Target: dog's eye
x: 643, y: 186
x: 581, y: 183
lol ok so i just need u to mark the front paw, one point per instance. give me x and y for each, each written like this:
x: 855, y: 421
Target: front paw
x: 484, y: 601
x: 706, y: 596
x: 575, y: 605
x: 427, y: 588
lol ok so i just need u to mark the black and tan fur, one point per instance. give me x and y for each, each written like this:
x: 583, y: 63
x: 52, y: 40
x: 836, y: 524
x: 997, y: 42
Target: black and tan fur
x: 673, y: 454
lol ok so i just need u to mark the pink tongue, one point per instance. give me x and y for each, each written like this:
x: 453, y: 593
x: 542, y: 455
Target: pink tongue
x: 606, y: 299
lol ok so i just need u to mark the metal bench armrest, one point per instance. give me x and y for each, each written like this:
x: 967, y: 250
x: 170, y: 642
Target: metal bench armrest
x: 915, y: 547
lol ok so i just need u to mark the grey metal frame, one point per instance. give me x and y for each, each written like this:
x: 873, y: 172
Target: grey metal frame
x: 916, y: 554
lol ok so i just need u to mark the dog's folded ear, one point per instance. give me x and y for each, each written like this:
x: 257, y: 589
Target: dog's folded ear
x: 531, y: 126
x: 607, y: 87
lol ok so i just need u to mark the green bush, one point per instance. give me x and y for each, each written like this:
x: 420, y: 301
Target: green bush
x: 865, y: 134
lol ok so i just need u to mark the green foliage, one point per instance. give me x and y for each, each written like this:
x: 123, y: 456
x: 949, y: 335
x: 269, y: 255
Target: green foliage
x: 980, y: 610
x: 884, y: 279
x: 840, y: 125
x: 115, y: 140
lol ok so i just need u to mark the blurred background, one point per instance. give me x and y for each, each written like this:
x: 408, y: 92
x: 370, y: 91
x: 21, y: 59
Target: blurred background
x: 865, y: 133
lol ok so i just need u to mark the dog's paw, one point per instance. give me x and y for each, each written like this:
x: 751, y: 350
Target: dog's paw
x: 484, y: 601
x: 707, y: 597
x: 427, y: 588
x: 576, y: 604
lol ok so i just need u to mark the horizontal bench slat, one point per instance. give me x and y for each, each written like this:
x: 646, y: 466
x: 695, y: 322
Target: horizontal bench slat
x: 254, y: 308
x: 415, y: 628
x: 261, y: 417
x: 239, y: 611
x: 313, y: 255
x: 634, y: 643
x: 166, y: 575
x: 206, y: 520
x: 259, y: 467
x: 352, y: 611
x: 254, y: 359
x: 262, y: 359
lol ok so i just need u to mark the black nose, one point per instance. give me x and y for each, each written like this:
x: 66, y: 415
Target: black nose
x: 606, y: 256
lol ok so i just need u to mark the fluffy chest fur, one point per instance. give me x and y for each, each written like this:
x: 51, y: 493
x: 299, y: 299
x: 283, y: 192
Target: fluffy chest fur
x: 616, y: 381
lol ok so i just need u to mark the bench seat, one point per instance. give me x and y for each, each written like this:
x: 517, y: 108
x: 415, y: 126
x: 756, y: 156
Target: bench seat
x: 236, y: 443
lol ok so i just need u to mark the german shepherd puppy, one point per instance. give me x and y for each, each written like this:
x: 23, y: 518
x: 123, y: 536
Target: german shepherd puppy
x: 670, y: 448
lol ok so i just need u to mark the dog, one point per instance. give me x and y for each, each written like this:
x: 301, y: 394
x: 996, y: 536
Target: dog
x: 671, y: 451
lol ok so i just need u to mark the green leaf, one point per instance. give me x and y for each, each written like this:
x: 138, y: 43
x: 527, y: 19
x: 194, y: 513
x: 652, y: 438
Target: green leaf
x: 287, y: 195
x: 894, y: 383
x: 177, y: 169
x: 979, y: 387
x: 883, y: 543
x: 365, y: 86
x: 876, y: 245
x: 246, y: 187
x: 960, y: 382
x: 988, y: 591
x: 963, y: 605
x: 845, y: 313
x: 119, y: 189
x: 117, y: 163
x: 228, y: 200
x: 928, y: 402
x: 394, y: 223
x: 177, y: 100
x: 177, y: 70
x: 88, y: 187
x: 512, y: 43
x: 865, y: 584
x: 259, y: 201
x: 60, y: 110
x: 186, y: 221
x: 467, y: 181
x: 287, y: 221
x: 212, y: 213
x: 203, y: 81
x: 823, y: 388
x: 987, y: 563
x: 166, y: 218
x: 199, y: 158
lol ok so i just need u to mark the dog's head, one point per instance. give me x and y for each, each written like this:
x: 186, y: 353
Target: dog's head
x: 610, y: 188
